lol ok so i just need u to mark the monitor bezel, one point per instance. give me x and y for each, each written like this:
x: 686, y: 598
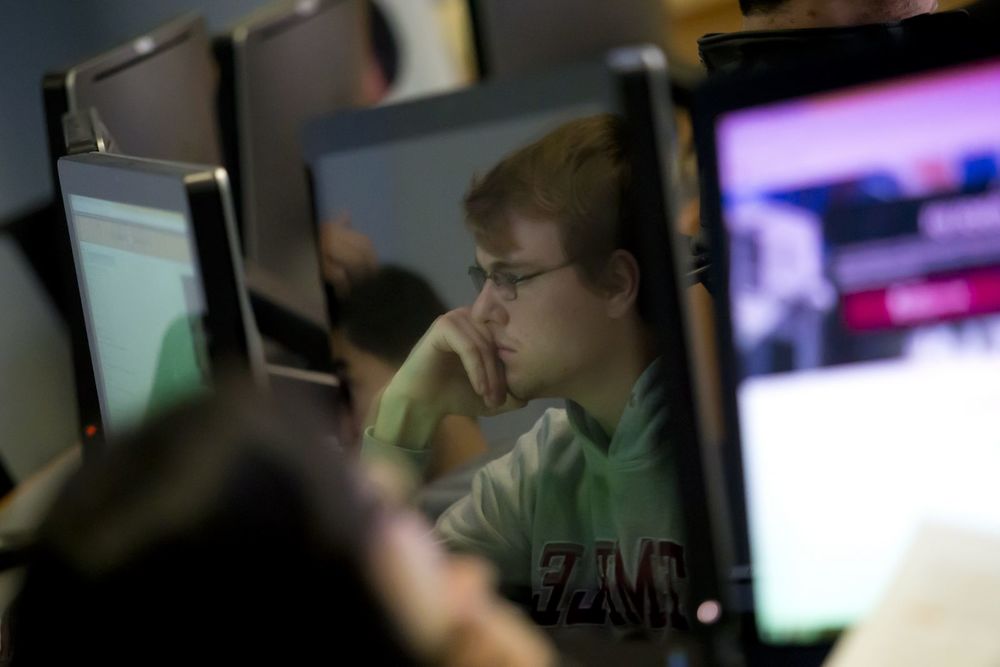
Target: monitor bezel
x: 644, y: 99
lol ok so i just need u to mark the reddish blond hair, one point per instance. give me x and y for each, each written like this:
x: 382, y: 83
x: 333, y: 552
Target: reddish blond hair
x: 574, y: 177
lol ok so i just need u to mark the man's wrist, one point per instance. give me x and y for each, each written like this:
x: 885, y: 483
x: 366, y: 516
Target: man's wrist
x: 405, y: 419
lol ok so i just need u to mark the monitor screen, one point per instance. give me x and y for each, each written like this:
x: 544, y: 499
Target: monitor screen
x: 863, y: 234
x: 143, y: 305
x: 290, y: 64
x: 155, y: 95
x: 398, y: 173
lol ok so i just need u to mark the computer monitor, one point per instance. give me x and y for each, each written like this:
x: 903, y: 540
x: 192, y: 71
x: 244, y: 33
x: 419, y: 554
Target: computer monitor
x: 668, y: 299
x: 515, y: 37
x: 155, y: 95
x: 289, y: 63
x: 399, y: 172
x: 160, y: 279
x: 152, y: 97
x: 856, y: 224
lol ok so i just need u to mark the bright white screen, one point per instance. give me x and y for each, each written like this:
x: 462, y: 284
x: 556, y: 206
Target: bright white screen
x: 143, y: 306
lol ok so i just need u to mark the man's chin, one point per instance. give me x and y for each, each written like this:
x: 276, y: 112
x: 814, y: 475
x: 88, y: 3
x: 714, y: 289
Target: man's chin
x: 525, y: 386
x: 522, y: 389
x: 517, y: 392
x: 517, y: 389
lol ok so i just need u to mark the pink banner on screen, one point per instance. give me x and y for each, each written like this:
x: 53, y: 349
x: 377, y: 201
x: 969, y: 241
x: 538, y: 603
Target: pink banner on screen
x: 891, y: 127
x: 955, y: 297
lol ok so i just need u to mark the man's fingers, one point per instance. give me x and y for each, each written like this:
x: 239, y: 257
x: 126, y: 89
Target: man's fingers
x: 342, y: 220
x: 498, y: 386
x: 474, y: 350
x: 456, y: 334
x: 491, y: 393
x: 337, y: 275
x: 500, y: 394
x: 470, y: 352
x: 347, y: 245
x: 359, y: 250
x: 347, y: 255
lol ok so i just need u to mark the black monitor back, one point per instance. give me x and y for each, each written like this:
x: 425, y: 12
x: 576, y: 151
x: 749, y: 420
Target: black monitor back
x: 291, y: 62
x: 154, y: 94
x: 518, y: 36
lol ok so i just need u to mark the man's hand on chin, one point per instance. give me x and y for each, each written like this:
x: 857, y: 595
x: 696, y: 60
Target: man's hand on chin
x: 453, y: 370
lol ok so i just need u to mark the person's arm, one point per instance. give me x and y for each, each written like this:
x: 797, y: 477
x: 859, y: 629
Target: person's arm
x: 406, y: 417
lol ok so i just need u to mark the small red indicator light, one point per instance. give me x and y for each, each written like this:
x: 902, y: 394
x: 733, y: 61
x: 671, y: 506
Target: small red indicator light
x: 90, y: 431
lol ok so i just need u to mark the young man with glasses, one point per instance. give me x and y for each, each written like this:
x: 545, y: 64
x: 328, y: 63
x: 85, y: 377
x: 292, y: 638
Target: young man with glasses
x: 582, y: 514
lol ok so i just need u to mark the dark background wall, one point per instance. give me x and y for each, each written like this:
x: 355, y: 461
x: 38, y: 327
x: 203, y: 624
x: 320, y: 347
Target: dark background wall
x: 36, y: 37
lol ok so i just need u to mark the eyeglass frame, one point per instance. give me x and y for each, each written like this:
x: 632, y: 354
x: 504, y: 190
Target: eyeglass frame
x: 508, y: 281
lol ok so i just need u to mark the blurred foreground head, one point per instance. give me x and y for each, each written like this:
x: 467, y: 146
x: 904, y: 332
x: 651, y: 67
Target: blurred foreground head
x: 228, y: 530
x: 236, y: 531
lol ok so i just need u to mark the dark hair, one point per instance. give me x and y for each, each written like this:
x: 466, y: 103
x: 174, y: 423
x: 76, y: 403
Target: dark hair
x: 387, y: 312
x: 749, y: 7
x: 575, y: 177
x: 226, y: 531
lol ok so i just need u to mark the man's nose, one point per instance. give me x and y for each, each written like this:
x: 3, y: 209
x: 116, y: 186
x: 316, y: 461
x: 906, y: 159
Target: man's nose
x: 489, y: 305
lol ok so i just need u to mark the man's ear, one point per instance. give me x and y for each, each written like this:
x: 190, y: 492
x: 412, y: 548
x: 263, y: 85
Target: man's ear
x: 621, y: 283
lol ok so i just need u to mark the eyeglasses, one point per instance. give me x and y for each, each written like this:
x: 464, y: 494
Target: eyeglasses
x: 506, y: 282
